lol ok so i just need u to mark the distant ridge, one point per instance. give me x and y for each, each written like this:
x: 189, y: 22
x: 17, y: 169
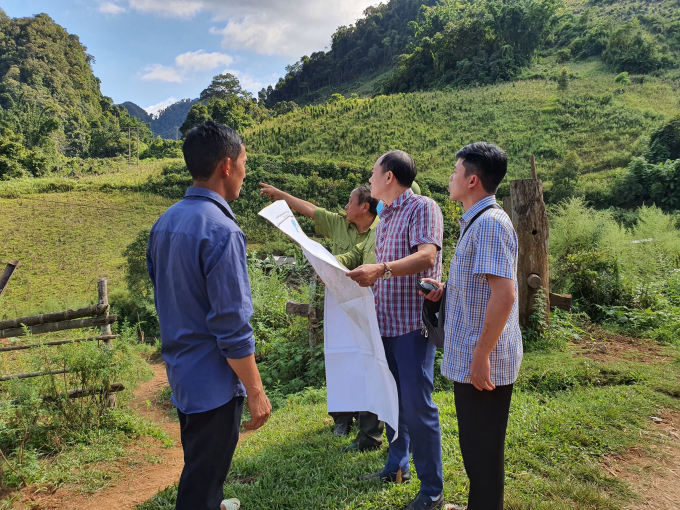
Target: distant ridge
x: 164, y: 123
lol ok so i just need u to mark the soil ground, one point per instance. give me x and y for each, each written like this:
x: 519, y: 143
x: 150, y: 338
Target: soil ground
x: 137, y: 482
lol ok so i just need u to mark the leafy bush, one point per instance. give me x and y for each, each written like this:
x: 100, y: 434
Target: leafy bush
x: 36, y: 416
x: 606, y: 265
x: 664, y: 143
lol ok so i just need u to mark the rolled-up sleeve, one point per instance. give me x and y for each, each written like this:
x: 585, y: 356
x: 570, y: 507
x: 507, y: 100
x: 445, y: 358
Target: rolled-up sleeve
x: 231, y: 305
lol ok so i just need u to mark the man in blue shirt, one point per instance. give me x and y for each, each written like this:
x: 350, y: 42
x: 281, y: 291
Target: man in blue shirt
x: 196, y: 260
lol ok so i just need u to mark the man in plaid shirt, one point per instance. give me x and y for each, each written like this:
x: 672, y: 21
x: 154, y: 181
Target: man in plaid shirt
x: 482, y: 351
x: 408, y: 243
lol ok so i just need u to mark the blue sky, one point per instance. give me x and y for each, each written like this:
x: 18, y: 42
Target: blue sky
x: 155, y: 52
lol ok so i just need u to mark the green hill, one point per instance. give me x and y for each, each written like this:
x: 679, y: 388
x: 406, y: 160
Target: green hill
x: 463, y: 43
x: 605, y: 123
x: 51, y: 106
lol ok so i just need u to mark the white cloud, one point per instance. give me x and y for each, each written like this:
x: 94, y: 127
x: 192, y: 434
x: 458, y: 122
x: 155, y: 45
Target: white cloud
x: 191, y: 61
x: 170, y: 8
x: 158, y: 72
x: 252, y: 83
x: 155, y: 108
x: 288, y: 28
x: 202, y: 61
x: 110, y: 8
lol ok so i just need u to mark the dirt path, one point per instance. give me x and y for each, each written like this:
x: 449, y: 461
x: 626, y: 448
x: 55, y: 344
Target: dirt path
x: 656, y: 478
x: 138, y: 482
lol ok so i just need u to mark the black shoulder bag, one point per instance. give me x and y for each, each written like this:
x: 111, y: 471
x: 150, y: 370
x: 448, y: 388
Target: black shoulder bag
x: 434, y: 314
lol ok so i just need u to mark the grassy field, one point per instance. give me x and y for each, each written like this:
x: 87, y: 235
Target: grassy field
x: 600, y: 120
x: 570, y: 410
x: 65, y: 242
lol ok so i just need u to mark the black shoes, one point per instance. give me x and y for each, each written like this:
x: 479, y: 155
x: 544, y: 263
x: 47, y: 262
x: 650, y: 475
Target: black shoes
x: 424, y: 502
x: 341, y: 429
x: 388, y: 477
x: 356, y: 446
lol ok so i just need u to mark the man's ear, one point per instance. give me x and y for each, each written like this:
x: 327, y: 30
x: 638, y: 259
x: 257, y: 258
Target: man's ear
x: 225, y: 166
x: 473, y: 181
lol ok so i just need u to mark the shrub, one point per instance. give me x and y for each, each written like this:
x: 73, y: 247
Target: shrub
x: 36, y: 416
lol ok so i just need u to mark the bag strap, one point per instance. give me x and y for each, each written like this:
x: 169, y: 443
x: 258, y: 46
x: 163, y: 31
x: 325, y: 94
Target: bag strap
x: 474, y: 218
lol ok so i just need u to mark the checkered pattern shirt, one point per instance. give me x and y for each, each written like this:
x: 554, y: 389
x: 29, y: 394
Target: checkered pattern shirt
x: 488, y: 247
x: 409, y: 221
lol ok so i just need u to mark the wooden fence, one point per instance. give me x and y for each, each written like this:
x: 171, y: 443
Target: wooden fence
x: 90, y: 316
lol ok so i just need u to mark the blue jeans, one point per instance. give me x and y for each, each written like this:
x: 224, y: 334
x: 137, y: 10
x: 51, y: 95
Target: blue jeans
x: 411, y: 361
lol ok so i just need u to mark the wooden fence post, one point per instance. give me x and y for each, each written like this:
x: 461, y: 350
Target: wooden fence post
x: 103, y: 293
x: 7, y: 274
x: 530, y: 220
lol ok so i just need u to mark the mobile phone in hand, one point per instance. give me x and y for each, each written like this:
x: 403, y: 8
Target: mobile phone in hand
x: 426, y: 287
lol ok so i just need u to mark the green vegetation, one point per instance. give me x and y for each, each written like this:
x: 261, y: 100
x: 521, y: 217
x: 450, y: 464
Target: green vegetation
x: 47, y: 438
x: 603, y: 124
x: 466, y: 43
x: 567, y: 413
x: 51, y: 106
x: 589, y: 86
x: 401, y: 46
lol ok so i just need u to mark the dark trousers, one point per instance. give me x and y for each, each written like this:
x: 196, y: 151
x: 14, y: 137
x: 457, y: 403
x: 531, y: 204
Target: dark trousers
x: 208, y: 440
x: 482, y: 423
x: 370, y: 427
x: 411, y: 361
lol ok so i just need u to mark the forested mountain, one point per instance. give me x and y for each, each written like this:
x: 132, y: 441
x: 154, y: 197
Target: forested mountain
x: 370, y: 44
x: 51, y: 105
x: 137, y: 111
x: 173, y: 116
x: 418, y: 44
x: 164, y: 123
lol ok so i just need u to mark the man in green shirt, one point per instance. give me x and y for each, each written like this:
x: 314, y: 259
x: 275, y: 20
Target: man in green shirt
x: 345, y: 233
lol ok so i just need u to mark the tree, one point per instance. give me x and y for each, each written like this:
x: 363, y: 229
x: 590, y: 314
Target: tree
x: 198, y: 114
x: 563, y: 79
x: 223, y: 86
x: 565, y: 178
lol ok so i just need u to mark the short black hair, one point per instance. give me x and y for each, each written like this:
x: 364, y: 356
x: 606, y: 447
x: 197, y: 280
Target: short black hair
x: 401, y: 164
x: 487, y: 161
x: 364, y: 197
x: 208, y: 144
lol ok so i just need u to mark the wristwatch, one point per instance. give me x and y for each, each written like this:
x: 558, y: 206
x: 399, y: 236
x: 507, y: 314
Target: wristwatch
x: 387, y: 273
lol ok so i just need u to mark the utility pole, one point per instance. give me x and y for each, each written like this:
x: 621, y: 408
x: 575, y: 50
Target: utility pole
x: 129, y: 129
x: 176, y: 133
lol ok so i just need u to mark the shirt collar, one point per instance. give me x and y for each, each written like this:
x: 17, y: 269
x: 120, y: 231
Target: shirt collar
x: 194, y: 191
x: 373, y: 225
x: 478, y: 206
x: 401, y: 200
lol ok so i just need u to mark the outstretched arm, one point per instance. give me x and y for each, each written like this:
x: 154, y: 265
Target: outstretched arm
x: 297, y: 204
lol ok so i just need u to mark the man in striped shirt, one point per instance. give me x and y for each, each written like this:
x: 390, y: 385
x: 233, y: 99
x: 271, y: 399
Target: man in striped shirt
x: 408, y: 243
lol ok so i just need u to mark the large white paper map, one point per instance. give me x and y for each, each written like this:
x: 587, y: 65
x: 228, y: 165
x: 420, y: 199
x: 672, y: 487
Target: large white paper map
x: 357, y: 375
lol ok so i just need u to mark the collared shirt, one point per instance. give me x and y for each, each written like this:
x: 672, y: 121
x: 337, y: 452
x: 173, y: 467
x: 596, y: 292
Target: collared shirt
x: 362, y: 253
x: 409, y: 221
x: 488, y: 247
x: 197, y: 263
x: 343, y: 234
